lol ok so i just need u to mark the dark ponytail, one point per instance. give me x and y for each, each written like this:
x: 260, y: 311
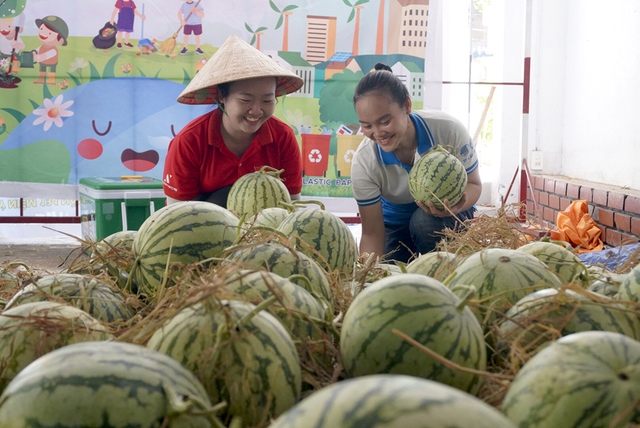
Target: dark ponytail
x: 382, y: 80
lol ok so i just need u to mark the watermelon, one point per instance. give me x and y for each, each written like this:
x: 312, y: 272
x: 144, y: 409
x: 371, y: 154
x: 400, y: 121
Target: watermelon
x: 324, y: 237
x: 258, y: 285
x: 104, y: 384
x: 608, y: 289
x: 248, y: 360
x: 269, y: 217
x: 629, y: 288
x: 427, y: 311
x: 501, y: 277
x: 559, y: 259
x: 256, y: 191
x: 98, y: 299
x: 544, y: 314
x: 286, y: 262
x: 179, y: 234
x: 604, y: 281
x: 33, y: 329
x: 435, y: 264
x: 436, y: 177
x: 118, y: 240
x: 586, y: 379
x: 390, y: 401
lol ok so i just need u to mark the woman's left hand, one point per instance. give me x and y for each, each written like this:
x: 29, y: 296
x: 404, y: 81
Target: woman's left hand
x: 448, y: 211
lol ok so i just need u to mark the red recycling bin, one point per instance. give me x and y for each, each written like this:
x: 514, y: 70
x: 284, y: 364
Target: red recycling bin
x: 315, y: 154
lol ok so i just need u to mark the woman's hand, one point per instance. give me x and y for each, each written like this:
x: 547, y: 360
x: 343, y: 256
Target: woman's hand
x: 448, y: 211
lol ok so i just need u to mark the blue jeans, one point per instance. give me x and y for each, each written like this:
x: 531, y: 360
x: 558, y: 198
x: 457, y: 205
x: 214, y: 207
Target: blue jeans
x: 421, y: 235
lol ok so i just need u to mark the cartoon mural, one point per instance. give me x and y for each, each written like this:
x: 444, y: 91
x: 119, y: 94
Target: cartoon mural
x: 88, y: 89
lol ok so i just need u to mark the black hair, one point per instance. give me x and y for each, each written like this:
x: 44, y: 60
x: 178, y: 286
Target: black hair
x: 382, y: 80
x: 223, y: 90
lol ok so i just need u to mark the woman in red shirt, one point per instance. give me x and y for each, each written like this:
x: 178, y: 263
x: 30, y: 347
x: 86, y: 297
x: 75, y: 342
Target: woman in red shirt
x: 239, y: 136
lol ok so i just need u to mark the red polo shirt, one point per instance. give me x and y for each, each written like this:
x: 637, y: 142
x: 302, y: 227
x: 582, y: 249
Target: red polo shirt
x: 198, y: 161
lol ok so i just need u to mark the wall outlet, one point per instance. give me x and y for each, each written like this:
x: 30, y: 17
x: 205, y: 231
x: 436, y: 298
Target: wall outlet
x: 535, y: 160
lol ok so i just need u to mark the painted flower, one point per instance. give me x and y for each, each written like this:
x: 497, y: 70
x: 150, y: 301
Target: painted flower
x: 78, y: 64
x: 4, y: 63
x: 53, y: 112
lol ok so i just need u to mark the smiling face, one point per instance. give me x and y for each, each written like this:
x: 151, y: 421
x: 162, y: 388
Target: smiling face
x: 384, y: 121
x: 7, y: 28
x: 248, y: 105
x: 48, y: 36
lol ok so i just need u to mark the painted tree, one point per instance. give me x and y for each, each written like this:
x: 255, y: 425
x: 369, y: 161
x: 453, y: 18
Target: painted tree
x: 336, y: 102
x: 284, y: 18
x: 256, y: 34
x: 355, y: 13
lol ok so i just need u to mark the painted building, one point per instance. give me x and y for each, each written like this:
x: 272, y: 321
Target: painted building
x: 410, y: 37
x: 320, y: 43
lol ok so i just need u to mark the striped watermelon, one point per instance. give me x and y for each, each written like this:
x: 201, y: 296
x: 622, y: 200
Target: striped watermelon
x: 425, y: 310
x: 436, y: 264
x: 608, y: 289
x: 256, y: 191
x: 181, y: 233
x: 31, y: 330
x: 324, y: 237
x: 604, y: 281
x: 288, y: 263
x: 100, y: 300
x: 248, y: 360
x: 118, y: 240
x: 391, y: 401
x: 438, y: 176
x: 559, y: 259
x: 629, y: 288
x: 258, y: 285
x: 269, y: 217
x: 537, y: 318
x: 104, y: 384
x: 586, y: 379
x: 502, y: 277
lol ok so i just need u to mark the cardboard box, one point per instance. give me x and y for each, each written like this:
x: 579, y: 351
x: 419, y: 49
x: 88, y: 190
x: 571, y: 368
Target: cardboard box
x: 114, y: 204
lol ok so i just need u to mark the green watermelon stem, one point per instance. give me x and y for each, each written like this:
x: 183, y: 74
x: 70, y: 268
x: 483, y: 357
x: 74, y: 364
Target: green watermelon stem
x: 305, y: 202
x: 177, y: 406
x: 163, y: 285
x: 471, y: 292
x: 135, y: 265
x: 255, y: 311
x: 266, y: 169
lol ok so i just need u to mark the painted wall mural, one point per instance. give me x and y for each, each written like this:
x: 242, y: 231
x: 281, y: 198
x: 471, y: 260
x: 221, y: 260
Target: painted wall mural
x: 88, y: 88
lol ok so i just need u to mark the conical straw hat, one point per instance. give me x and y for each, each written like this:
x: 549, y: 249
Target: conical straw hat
x: 236, y: 60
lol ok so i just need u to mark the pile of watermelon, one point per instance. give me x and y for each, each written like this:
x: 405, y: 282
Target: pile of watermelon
x: 207, y: 317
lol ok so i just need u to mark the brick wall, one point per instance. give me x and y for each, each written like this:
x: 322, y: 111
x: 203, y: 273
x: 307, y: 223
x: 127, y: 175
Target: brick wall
x: 616, y: 210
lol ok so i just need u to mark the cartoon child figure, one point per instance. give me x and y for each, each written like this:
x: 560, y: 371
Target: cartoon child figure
x: 190, y: 16
x: 126, y: 11
x: 10, y: 41
x: 53, y: 32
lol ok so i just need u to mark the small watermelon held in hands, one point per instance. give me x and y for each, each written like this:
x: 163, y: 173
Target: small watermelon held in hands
x: 436, y: 177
